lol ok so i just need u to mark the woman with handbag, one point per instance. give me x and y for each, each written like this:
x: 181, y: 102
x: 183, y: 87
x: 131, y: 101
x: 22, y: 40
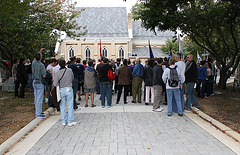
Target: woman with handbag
x: 63, y: 79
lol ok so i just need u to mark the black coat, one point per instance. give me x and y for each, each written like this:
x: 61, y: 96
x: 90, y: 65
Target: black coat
x: 22, y: 74
x: 191, y: 72
x: 148, y: 76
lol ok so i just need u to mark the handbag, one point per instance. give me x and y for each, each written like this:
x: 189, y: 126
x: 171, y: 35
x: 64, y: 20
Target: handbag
x: 111, y: 75
x: 58, y: 88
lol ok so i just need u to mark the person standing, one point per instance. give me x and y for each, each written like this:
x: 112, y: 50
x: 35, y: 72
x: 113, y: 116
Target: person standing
x: 117, y: 65
x: 22, y: 76
x: 39, y: 73
x: 90, y: 80
x: 76, y: 72
x: 191, y: 78
x: 124, y: 76
x: 63, y: 78
x: 148, y: 80
x: 81, y: 78
x: 28, y: 66
x: 14, y: 76
x: 137, y: 81
x: 157, y: 85
x: 169, y: 75
x: 201, y: 78
x: 179, y: 63
x: 106, y: 85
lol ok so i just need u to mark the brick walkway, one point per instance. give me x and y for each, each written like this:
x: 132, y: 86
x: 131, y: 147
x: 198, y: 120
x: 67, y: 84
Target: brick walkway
x: 128, y: 130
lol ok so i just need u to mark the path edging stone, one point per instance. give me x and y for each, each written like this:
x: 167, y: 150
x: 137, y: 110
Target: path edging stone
x: 5, y: 146
x: 228, y: 131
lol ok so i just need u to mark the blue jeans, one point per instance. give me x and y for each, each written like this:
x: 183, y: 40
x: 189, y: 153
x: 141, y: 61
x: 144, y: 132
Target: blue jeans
x: 66, y: 94
x: 106, y: 90
x: 75, y: 87
x: 174, y: 93
x: 38, y: 97
x: 190, y: 95
x: 182, y: 96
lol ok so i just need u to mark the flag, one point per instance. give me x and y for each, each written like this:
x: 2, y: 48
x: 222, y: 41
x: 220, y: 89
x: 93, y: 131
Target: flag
x: 100, y: 51
x: 150, y: 50
x: 169, y: 53
x: 198, y: 57
x: 180, y: 48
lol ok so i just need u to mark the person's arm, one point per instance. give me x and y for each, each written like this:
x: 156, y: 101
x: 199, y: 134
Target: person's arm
x: 165, y: 76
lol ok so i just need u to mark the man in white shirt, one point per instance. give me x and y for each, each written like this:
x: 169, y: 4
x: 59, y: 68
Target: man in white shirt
x: 179, y: 63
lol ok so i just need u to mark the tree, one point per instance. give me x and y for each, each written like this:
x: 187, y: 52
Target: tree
x: 212, y: 25
x: 26, y: 26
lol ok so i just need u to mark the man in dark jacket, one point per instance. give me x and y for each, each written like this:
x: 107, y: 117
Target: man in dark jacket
x: 76, y: 71
x: 190, y: 79
x: 157, y: 85
x: 22, y: 76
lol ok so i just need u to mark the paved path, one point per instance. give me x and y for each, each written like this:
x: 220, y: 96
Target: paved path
x: 125, y: 130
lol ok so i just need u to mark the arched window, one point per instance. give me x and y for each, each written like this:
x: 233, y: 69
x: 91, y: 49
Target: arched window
x: 71, y: 52
x: 88, y: 53
x: 105, y: 52
x: 121, y: 53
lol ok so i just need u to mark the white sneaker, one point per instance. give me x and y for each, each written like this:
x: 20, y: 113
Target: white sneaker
x: 46, y: 100
x: 158, y: 109
x: 72, y: 124
x: 63, y: 124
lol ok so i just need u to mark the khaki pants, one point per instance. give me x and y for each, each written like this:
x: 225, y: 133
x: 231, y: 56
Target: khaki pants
x: 157, y: 96
x: 137, y: 88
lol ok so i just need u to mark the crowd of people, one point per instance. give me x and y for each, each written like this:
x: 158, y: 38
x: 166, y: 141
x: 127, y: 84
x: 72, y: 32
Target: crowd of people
x: 62, y: 83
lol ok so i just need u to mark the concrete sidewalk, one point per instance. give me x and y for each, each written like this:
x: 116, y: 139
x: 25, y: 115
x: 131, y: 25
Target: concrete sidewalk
x: 126, y: 129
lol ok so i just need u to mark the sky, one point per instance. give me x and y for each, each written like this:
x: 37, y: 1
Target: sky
x: 105, y: 3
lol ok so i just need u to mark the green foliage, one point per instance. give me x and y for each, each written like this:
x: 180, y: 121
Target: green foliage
x: 212, y: 25
x: 26, y: 26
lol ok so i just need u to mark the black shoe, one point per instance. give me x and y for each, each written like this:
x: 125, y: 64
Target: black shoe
x: 98, y: 92
x: 180, y: 115
x: 139, y: 101
x: 169, y: 114
x: 134, y: 102
x: 146, y: 103
x: 125, y: 102
x: 79, y: 99
x: 165, y: 103
x: 117, y: 102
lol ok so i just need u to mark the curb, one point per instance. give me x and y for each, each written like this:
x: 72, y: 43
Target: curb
x: 5, y: 146
x: 223, y: 128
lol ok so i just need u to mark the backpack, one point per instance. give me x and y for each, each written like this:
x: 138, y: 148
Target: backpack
x: 111, y: 75
x: 173, y: 80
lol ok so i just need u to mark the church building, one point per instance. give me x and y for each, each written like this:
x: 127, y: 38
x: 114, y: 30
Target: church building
x: 119, y: 35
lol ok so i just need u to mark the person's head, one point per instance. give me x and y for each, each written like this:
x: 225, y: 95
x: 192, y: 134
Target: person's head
x: 94, y: 61
x: 78, y: 60
x: 62, y: 63
x: 73, y: 58
x: 90, y: 63
x: 177, y: 57
x: 54, y: 61
x: 160, y: 61
x: 105, y: 60
x: 202, y: 63
x: 171, y: 61
x: 118, y: 60
x: 165, y: 59
x: 84, y: 62
x: 129, y: 62
x: 38, y: 56
x: 151, y: 62
x: 15, y: 61
x: 99, y: 60
x: 190, y: 57
x: 27, y: 61
x: 22, y: 61
x: 137, y: 60
x: 125, y: 62
x: 102, y: 59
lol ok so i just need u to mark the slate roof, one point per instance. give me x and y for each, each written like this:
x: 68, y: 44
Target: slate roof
x: 104, y: 21
x: 140, y: 33
x: 144, y: 52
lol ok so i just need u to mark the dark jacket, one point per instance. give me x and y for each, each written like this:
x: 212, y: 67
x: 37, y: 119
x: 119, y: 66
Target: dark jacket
x: 191, y: 72
x: 124, y: 75
x: 104, y: 73
x: 22, y: 73
x: 157, y: 75
x: 148, y: 76
x: 76, y: 71
x: 202, y: 73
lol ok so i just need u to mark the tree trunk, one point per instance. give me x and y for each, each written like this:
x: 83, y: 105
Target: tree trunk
x: 223, y: 79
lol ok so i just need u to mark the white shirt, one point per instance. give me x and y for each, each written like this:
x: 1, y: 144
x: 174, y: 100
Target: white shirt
x: 55, y: 70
